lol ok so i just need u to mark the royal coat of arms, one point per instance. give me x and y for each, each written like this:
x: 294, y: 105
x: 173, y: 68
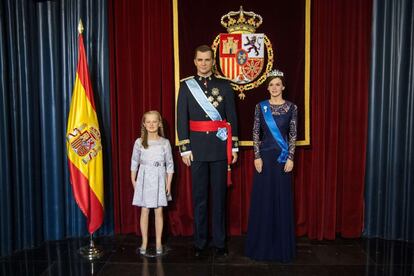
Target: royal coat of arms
x: 85, y: 142
x: 244, y: 56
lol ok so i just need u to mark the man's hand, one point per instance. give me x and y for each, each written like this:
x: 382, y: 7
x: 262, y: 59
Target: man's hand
x: 187, y: 159
x: 234, y: 157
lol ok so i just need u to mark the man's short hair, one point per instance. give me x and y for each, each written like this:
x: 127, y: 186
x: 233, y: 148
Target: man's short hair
x: 203, y: 49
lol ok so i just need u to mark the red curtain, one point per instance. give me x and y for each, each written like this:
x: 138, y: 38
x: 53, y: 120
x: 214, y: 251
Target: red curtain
x: 329, y: 178
x: 141, y: 72
x: 329, y: 175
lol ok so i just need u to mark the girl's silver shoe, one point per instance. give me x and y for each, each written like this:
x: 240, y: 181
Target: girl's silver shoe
x: 159, y: 251
x: 142, y: 251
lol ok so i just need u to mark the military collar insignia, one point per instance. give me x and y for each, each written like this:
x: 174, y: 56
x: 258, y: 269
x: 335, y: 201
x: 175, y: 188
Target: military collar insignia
x: 200, y: 78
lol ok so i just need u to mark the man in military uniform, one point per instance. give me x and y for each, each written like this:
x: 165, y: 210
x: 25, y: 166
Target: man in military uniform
x: 207, y: 133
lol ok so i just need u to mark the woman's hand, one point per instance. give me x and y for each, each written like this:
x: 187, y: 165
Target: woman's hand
x: 289, y: 165
x: 258, y: 164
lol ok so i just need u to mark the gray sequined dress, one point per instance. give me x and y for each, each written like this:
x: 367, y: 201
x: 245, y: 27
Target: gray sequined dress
x: 153, y: 164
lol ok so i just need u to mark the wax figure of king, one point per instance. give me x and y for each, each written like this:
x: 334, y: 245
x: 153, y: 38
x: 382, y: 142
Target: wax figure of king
x: 207, y: 133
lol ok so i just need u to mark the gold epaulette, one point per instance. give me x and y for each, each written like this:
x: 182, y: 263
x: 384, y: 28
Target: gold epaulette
x: 187, y: 78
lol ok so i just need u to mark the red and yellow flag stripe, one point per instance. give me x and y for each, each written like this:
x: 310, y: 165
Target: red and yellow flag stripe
x: 84, y: 148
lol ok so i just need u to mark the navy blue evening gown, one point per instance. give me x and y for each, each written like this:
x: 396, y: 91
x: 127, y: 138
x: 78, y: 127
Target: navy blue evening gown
x: 271, y: 231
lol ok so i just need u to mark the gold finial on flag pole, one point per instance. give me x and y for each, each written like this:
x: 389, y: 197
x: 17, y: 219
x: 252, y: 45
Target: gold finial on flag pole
x: 80, y: 27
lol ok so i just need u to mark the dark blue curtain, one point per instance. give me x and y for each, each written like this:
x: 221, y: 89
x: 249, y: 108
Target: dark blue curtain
x: 390, y: 152
x: 38, y: 55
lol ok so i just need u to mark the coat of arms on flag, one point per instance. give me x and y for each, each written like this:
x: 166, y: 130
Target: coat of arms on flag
x: 86, y: 143
x: 244, y: 57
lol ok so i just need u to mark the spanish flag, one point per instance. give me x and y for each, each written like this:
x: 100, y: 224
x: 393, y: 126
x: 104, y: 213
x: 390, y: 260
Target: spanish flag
x: 83, y: 143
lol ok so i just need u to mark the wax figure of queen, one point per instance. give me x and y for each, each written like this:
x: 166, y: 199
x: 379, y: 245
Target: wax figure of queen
x: 207, y: 133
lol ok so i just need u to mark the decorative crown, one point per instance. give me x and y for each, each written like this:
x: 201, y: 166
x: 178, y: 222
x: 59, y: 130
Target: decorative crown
x: 246, y: 22
x: 275, y: 73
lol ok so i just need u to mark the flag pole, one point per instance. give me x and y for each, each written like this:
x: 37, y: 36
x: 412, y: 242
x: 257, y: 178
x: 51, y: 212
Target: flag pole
x: 90, y: 252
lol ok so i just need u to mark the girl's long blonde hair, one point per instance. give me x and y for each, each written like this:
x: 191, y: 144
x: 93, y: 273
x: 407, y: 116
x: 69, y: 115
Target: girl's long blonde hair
x: 144, y: 132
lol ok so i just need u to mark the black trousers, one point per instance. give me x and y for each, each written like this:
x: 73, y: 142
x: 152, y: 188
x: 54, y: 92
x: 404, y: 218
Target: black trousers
x: 215, y: 173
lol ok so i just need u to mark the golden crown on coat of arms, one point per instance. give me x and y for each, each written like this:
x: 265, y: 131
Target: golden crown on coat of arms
x: 241, y: 21
x: 243, y: 56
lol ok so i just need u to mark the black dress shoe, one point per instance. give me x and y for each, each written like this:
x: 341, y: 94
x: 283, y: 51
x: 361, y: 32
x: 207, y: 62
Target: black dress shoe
x: 198, y: 251
x: 221, y: 252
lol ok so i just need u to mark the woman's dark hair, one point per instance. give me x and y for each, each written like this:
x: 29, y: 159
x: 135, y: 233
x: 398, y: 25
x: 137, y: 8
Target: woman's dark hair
x: 269, y: 79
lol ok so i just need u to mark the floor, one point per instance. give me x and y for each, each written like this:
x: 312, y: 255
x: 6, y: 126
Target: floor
x: 340, y: 257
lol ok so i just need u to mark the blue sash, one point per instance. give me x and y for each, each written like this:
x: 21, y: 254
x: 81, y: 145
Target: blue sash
x: 202, y: 100
x: 270, y: 122
x: 208, y: 108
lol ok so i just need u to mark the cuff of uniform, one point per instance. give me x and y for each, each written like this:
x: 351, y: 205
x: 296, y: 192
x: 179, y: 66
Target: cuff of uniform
x: 184, y: 145
x: 235, y: 143
x: 235, y: 150
x: 185, y: 153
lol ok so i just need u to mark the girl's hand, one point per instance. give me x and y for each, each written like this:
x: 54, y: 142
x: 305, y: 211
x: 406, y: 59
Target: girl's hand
x: 288, y: 166
x: 168, y: 189
x: 133, y: 178
x: 258, y: 164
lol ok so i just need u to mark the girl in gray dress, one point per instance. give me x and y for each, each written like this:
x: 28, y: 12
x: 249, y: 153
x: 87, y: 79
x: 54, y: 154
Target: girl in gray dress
x: 152, y: 169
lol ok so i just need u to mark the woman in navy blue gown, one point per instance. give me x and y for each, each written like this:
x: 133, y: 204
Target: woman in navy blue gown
x: 271, y: 231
